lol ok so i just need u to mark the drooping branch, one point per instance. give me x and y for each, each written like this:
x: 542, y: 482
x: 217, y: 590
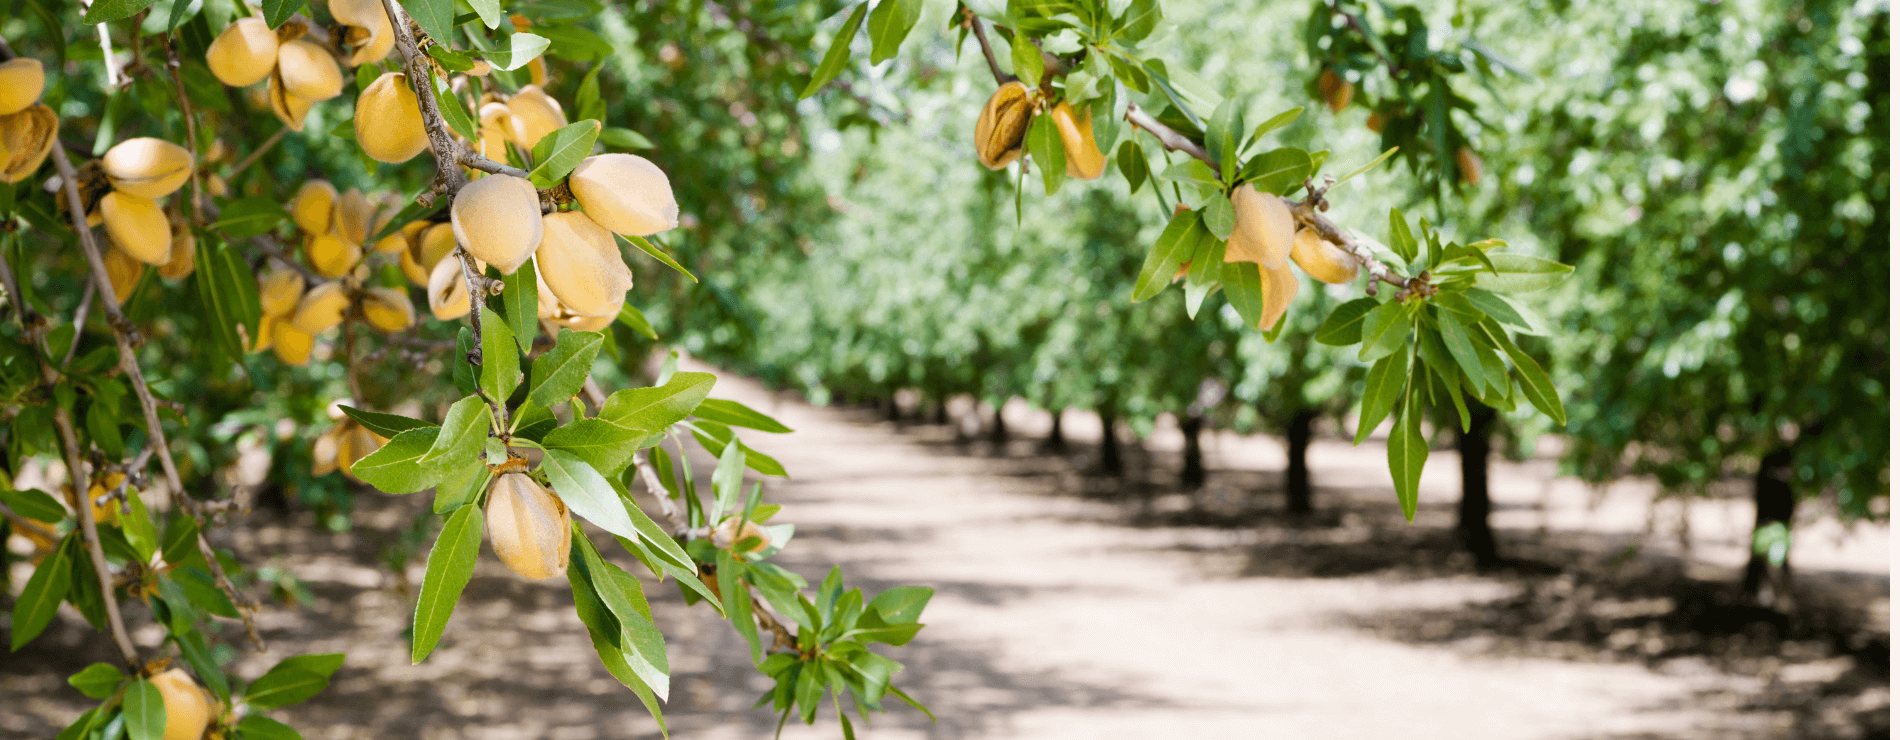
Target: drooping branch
x: 127, y: 338
x: 983, y: 40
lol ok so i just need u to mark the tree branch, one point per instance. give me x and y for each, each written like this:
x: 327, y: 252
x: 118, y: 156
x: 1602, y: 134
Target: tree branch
x: 251, y: 158
x: 448, y: 179
x: 127, y: 338
x: 983, y: 40
x: 191, y: 131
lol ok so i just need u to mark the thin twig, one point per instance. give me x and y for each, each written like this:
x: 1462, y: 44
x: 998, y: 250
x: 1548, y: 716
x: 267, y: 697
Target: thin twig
x: 250, y: 159
x: 79, y: 323
x: 191, y: 131
x: 21, y: 522
x: 127, y: 338
x: 21, y: 311
x: 983, y: 40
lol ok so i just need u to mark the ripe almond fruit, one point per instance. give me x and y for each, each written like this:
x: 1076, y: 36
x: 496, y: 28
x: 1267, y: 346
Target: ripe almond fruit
x: 330, y: 255
x: 498, y: 220
x: 291, y: 344
x: 528, y: 526
x: 1263, y: 228
x: 312, y: 206
x: 124, y: 273
x: 137, y: 226
x: 625, y: 194
x: 388, y: 309
x: 1078, y: 142
x: 244, y: 53
x: 22, y: 79
x: 581, y: 265
x: 1322, y: 259
x: 26, y: 138
x: 147, y: 167
x: 369, y: 35
x: 308, y: 71
x: 320, y: 309
x: 1002, y: 125
x: 279, y: 292
x: 448, y: 290
x: 187, y: 710
x: 289, y: 108
x: 351, y: 217
x: 389, y: 121
x: 534, y: 115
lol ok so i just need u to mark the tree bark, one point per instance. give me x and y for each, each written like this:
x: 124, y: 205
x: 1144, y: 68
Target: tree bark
x: 941, y: 416
x: 1299, y: 478
x: 1474, y: 507
x: 1055, y: 443
x: 1111, y: 449
x: 1774, y: 503
x: 1193, y: 462
x: 999, y: 432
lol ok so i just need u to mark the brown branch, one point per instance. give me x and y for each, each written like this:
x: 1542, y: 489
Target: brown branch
x: 448, y: 179
x: 76, y: 473
x: 126, y: 336
x: 21, y: 522
x: 250, y: 159
x: 191, y: 131
x: 79, y: 324
x: 21, y: 311
x: 983, y: 40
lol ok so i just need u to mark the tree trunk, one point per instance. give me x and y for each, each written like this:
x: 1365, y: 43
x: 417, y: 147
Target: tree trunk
x: 892, y: 413
x: 1111, y: 450
x: 1774, y: 503
x: 1474, y: 507
x: 1193, y: 463
x: 1299, y: 478
x: 1055, y: 443
x: 999, y: 432
x: 942, y: 415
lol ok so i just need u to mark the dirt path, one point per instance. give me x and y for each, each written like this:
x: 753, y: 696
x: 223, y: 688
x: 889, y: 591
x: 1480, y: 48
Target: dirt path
x: 1053, y: 619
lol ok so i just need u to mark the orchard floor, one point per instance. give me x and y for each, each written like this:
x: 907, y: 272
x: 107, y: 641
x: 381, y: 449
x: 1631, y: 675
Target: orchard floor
x: 1071, y: 605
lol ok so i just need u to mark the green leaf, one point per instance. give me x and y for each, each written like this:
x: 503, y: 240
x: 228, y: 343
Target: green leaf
x: 227, y: 293
x: 633, y: 319
x: 1219, y: 218
x: 901, y: 604
x: 1403, y: 243
x: 1026, y: 59
x: 587, y: 493
x: 657, y: 253
x: 1173, y: 249
x: 34, y: 504
x: 454, y: 111
x: 98, y: 680
x: 891, y: 21
x: 1241, y: 282
x: 107, y: 11
x: 1278, y: 172
x: 399, y: 467
x: 1521, y: 273
x: 451, y: 562
x: 462, y: 435
x: 1367, y: 166
x: 715, y: 436
x: 137, y: 524
x: 179, y: 546
x: 654, y: 409
x: 1458, y: 342
x: 260, y: 727
x: 490, y: 12
x: 1044, y: 144
x: 436, y: 17
x: 738, y: 414
x: 1344, y: 327
x: 387, y: 425
x: 620, y: 593
x: 461, y: 486
x: 839, y: 53
x: 624, y: 138
x: 606, y: 446
x: 1385, y: 330
x: 1133, y: 164
x: 192, y: 645
x: 252, y: 216
x: 1383, y: 384
x: 733, y: 593
x: 1532, y: 378
x: 1278, y: 121
x: 501, y: 365
x: 1224, y: 130
x: 144, y: 710
x: 558, y: 153
x: 1139, y: 20
x: 558, y: 374
x: 39, y: 600
x: 1405, y: 453
x: 1509, y: 312
x: 727, y: 479
x: 293, y: 680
